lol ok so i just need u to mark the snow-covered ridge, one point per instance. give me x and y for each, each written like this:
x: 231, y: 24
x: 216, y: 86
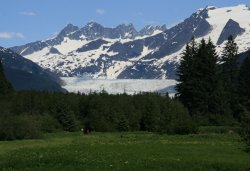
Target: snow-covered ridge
x: 220, y: 16
x: 124, y: 53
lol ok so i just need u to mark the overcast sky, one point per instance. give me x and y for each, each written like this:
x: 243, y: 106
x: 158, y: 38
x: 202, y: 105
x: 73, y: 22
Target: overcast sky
x: 24, y: 21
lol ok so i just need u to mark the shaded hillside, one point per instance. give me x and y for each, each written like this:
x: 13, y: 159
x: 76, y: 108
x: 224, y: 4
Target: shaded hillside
x: 23, y: 74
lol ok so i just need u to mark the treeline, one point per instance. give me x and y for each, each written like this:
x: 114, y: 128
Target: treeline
x: 216, y: 90
x: 212, y: 90
x: 28, y: 114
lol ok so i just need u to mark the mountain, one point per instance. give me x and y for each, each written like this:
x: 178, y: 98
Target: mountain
x: 23, y: 74
x: 123, y: 52
x: 5, y: 86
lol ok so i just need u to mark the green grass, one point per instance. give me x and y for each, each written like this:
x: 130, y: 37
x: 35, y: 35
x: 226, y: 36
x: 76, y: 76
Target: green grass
x: 125, y: 151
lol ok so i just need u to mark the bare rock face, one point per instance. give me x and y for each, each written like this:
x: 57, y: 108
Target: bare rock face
x: 121, y: 52
x: 231, y: 28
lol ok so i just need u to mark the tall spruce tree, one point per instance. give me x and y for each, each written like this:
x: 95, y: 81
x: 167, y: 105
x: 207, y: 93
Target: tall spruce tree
x: 205, y: 80
x: 219, y: 107
x: 185, y: 74
x: 229, y: 61
x: 244, y: 83
x: 199, y: 88
x: 244, y: 93
x: 229, y: 73
x: 5, y: 86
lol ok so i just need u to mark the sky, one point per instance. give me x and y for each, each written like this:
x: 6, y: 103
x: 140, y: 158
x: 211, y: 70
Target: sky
x: 25, y: 21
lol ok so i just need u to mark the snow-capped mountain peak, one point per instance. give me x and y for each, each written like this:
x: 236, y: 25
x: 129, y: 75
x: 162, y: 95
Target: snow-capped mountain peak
x: 230, y: 21
x: 152, y: 30
x: 92, y: 24
x: 70, y: 28
x: 124, y: 52
x: 210, y: 7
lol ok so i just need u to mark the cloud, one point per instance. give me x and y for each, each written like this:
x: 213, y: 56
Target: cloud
x: 28, y: 13
x: 19, y: 35
x: 10, y: 35
x: 100, y: 11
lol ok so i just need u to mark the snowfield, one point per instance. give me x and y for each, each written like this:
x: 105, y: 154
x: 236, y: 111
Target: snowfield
x: 112, y: 57
x: 219, y: 17
x: 118, y: 86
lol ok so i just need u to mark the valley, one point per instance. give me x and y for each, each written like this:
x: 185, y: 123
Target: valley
x: 131, y: 85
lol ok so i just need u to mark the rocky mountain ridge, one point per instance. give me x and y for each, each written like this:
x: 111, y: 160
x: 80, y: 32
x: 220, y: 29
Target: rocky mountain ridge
x: 122, y: 52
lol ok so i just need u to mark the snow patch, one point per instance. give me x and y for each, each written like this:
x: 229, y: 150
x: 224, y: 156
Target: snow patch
x: 144, y: 52
x: 220, y: 16
x: 69, y: 45
x: 38, y: 56
x: 117, y: 68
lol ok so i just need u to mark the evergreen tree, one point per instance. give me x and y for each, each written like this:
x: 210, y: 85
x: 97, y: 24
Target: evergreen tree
x: 229, y: 73
x: 175, y: 119
x: 64, y: 115
x: 123, y: 124
x: 151, y: 115
x: 185, y: 74
x: 229, y: 62
x: 245, y: 128
x: 5, y: 86
x: 244, y: 83
x: 220, y: 110
x: 218, y: 106
x: 204, y: 79
x: 199, y: 88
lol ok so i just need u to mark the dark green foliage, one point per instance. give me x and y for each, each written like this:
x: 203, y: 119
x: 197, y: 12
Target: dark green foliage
x: 50, y: 112
x: 244, y: 82
x: 151, y: 114
x: 48, y: 123
x: 244, y: 94
x: 5, y: 86
x: 205, y: 90
x: 220, y: 112
x: 175, y: 119
x: 219, y: 129
x: 64, y: 115
x: 123, y: 124
x: 229, y: 74
x: 199, y: 88
x: 185, y: 75
x: 99, y: 114
x: 204, y: 80
x: 245, y: 132
x: 216, y: 93
x: 19, y: 127
x: 230, y: 63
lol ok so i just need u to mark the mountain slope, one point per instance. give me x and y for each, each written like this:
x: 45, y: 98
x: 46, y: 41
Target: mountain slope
x: 23, y: 74
x: 5, y: 86
x: 122, y: 52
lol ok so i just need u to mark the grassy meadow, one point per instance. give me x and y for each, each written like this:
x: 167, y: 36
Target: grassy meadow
x: 126, y: 151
